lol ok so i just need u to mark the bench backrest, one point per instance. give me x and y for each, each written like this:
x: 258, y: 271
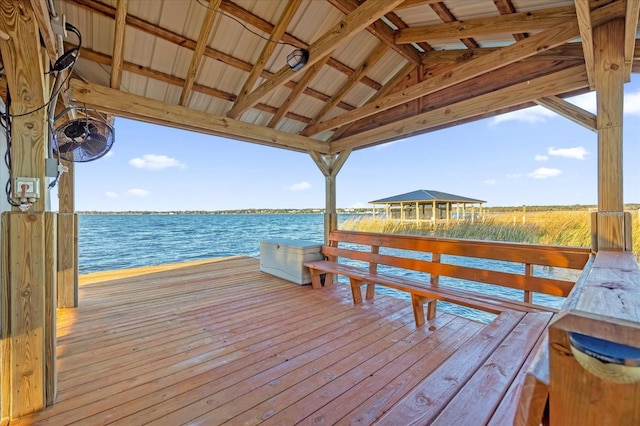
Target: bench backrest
x: 527, y: 254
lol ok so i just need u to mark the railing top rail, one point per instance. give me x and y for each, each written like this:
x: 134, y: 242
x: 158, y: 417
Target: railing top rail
x: 537, y: 254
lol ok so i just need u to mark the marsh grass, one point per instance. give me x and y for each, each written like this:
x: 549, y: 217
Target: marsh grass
x: 565, y: 228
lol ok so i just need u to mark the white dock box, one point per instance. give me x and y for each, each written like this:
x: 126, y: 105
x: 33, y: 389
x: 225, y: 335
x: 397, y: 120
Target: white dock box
x: 284, y: 258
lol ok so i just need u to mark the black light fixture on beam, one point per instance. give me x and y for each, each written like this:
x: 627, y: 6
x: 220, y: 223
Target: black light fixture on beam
x: 298, y: 59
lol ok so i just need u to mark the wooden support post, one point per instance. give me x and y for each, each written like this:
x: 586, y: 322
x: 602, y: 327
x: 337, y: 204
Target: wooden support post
x: 5, y: 342
x: 51, y: 269
x: 612, y: 313
x: 609, y: 78
x: 417, y: 213
x: 67, y: 241
x: 435, y: 279
x: 28, y: 359
x: 433, y: 211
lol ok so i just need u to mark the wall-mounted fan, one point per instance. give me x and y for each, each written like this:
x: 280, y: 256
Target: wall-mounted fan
x: 83, y: 139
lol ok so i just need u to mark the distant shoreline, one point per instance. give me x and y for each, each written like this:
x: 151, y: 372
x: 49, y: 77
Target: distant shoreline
x: 365, y: 210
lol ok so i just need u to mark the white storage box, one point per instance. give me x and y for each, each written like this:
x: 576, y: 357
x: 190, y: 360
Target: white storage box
x: 284, y: 258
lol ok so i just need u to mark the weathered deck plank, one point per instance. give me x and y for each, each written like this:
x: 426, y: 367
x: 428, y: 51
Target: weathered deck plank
x: 219, y: 342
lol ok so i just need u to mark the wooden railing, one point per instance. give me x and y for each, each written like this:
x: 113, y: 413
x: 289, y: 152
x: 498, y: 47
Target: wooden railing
x: 528, y: 255
x: 604, y: 304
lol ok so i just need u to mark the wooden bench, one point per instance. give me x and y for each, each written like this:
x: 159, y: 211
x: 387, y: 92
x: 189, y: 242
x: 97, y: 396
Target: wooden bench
x: 365, y: 248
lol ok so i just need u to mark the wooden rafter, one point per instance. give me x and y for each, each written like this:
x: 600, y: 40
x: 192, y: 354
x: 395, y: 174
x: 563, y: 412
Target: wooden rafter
x: 400, y: 24
x: 373, y: 59
x: 630, y: 30
x: 201, y: 45
x: 514, y: 23
x: 265, y: 26
x: 355, y: 22
x: 306, y: 79
x: 569, y: 111
x: 528, y: 47
x: 567, y: 51
x: 445, y: 14
x: 505, y: 7
x: 136, y: 107
x: 396, y: 80
x: 41, y: 12
x: 563, y: 81
x: 380, y: 30
x: 180, y: 40
x: 414, y: 3
x: 118, y: 44
x: 270, y: 46
x: 177, y: 81
x: 583, y: 11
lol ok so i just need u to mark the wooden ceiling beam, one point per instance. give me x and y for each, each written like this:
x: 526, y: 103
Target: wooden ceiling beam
x: 41, y: 12
x: 567, y: 51
x: 269, y: 47
x: 381, y: 30
x: 177, y: 81
x: 445, y: 14
x: 415, y: 3
x: 506, y: 7
x: 306, y: 79
x: 182, y: 41
x: 198, y: 52
x: 389, y: 86
x: 444, y: 78
x: 351, y: 82
x: 561, y: 82
x: 118, y: 44
x: 630, y: 31
x: 400, y: 24
x: 340, y: 34
x: 257, y: 22
x: 136, y: 107
x: 522, y: 22
x: 583, y: 12
x: 569, y: 111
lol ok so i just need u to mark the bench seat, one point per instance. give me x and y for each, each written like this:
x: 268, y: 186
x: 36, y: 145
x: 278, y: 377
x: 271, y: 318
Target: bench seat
x: 421, y: 292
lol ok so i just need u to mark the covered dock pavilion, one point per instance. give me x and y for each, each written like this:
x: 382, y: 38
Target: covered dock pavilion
x: 323, y: 78
x: 428, y: 205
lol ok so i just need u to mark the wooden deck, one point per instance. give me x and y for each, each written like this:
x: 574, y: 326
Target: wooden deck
x: 220, y: 342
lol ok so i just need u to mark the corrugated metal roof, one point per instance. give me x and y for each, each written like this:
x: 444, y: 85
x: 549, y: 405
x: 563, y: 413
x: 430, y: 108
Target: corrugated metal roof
x: 160, y: 37
x: 426, y: 195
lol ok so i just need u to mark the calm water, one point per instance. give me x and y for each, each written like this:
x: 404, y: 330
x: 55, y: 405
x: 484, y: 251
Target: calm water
x: 118, y: 241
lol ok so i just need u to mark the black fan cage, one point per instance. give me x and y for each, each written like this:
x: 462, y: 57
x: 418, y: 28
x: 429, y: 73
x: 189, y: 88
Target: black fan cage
x: 83, y: 140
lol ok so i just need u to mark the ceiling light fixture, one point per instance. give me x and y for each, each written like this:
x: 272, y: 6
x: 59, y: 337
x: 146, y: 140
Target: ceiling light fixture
x: 298, y: 59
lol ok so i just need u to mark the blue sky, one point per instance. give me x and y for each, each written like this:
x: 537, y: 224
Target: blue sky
x: 530, y: 157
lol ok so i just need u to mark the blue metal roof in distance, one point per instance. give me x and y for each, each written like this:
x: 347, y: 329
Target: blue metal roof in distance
x: 424, y: 195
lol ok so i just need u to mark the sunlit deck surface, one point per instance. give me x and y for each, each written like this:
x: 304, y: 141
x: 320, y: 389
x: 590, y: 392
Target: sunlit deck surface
x: 221, y: 342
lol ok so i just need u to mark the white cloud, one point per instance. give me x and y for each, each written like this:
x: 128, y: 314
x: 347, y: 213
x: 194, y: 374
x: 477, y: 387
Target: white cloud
x: 541, y: 158
x: 300, y: 186
x: 490, y: 181
x: 156, y: 162
x: 632, y: 103
x: 136, y: 192
x: 586, y: 101
x: 544, y: 173
x: 536, y: 114
x: 384, y: 145
x: 578, y: 152
x: 514, y: 175
x: 111, y: 194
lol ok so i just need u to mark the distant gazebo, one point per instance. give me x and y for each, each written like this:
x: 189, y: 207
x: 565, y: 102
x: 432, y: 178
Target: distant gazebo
x: 427, y: 205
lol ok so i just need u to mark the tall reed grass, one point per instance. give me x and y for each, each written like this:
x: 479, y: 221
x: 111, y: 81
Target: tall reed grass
x: 566, y: 228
